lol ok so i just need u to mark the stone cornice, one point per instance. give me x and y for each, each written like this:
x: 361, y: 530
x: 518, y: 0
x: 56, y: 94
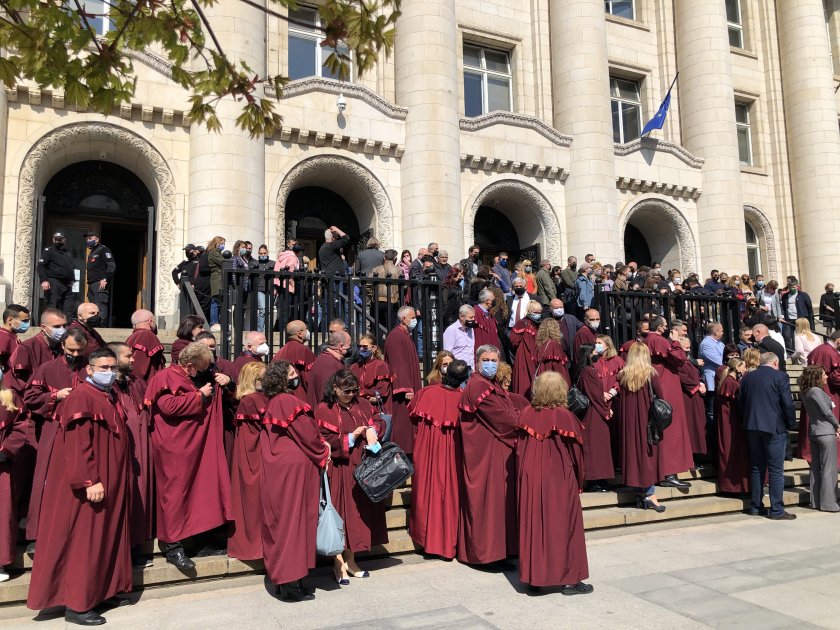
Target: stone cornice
x: 350, y: 90
x: 151, y: 60
x: 314, y: 138
x: 516, y: 120
x: 497, y: 165
x: 630, y: 184
x: 659, y: 145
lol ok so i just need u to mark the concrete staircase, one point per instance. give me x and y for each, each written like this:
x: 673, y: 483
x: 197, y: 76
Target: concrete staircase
x: 601, y: 511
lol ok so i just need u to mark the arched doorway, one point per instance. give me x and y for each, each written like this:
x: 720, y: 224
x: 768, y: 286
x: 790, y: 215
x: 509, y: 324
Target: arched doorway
x: 112, y: 201
x: 636, y: 248
x: 495, y: 233
x: 311, y: 210
x: 654, y: 231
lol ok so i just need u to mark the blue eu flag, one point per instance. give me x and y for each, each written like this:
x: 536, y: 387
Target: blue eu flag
x: 659, y: 118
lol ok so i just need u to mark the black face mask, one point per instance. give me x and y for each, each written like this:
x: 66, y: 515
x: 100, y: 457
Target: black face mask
x: 471, y: 323
x: 73, y: 361
x: 93, y: 322
x: 475, y: 257
x: 58, y: 244
x: 293, y: 383
x: 519, y: 290
x: 434, y: 253
x: 573, y: 266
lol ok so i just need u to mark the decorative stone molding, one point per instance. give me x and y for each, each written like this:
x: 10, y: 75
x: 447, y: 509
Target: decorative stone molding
x: 630, y: 184
x: 62, y: 138
x: 311, y: 138
x: 497, y: 165
x: 516, y: 120
x: 531, y: 198
x: 662, y: 146
x: 681, y: 229
x: 350, y: 90
x: 151, y: 60
x: 329, y: 168
x: 764, y: 231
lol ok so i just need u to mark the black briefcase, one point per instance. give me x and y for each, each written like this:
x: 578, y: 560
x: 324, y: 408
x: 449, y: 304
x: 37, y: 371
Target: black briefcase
x: 379, y: 475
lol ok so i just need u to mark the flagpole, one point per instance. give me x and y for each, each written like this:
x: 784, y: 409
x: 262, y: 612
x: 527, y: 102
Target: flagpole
x: 673, y: 82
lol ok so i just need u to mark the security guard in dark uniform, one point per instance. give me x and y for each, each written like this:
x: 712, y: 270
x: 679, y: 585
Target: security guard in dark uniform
x: 186, y: 268
x: 100, y: 273
x: 57, y: 273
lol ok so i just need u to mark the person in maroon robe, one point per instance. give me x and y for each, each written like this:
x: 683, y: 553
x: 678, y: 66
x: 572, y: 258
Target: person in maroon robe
x: 145, y: 345
x: 642, y: 330
x: 667, y: 356
x: 84, y: 548
x: 589, y: 331
x: 293, y: 452
x: 435, y: 506
x: 223, y: 373
x: 244, y: 535
x: 13, y: 419
x: 827, y: 356
x: 523, y: 342
x: 375, y: 376
x: 549, y: 477
x: 597, y: 448
x: 549, y: 355
x: 130, y: 392
x: 297, y: 353
x: 255, y: 349
x: 87, y: 319
x: 15, y: 322
x: 50, y: 384
x: 350, y: 425
x: 487, y: 525
x: 401, y: 356
x: 41, y: 348
x: 638, y: 381
x: 190, y: 326
x: 330, y: 361
x: 733, y: 463
x: 693, y: 390
x: 486, y: 332
x: 192, y: 482
x: 608, y: 368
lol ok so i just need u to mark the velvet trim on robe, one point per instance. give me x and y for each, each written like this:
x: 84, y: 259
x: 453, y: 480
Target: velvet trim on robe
x: 401, y: 356
x: 147, y: 351
x: 733, y: 463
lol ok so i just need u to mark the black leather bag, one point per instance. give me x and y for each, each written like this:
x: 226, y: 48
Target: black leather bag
x: 578, y: 402
x: 379, y: 475
x: 659, y: 417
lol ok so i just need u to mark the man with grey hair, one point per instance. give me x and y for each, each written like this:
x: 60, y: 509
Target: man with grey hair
x: 518, y: 302
x: 370, y: 258
x: 459, y: 337
x: 767, y: 411
x: 401, y: 355
x: 523, y: 341
x: 546, y: 289
x: 486, y: 331
x: 329, y: 254
x: 766, y: 343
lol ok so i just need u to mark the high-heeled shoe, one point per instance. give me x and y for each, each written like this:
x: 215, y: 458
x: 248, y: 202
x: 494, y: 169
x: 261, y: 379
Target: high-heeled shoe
x: 341, y: 579
x: 293, y: 591
x: 361, y: 573
x: 644, y: 503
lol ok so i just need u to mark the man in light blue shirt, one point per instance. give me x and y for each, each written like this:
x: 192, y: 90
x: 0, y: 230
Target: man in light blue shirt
x: 459, y: 337
x: 711, y: 351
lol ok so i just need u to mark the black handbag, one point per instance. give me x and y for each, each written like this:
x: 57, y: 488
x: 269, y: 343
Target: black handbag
x: 578, y: 402
x: 660, y: 415
x: 379, y: 475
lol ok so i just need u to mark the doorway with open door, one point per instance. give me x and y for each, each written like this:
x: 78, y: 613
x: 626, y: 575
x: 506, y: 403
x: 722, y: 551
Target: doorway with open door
x: 111, y: 201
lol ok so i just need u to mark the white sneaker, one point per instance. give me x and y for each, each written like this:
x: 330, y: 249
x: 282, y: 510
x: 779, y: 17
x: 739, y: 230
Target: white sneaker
x: 4, y: 577
x: 215, y: 328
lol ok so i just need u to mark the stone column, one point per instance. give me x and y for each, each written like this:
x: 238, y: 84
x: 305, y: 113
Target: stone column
x: 813, y: 139
x: 227, y: 169
x: 580, y: 84
x: 427, y: 84
x: 707, y: 112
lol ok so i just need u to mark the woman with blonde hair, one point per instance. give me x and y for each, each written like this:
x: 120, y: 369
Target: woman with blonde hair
x: 444, y: 358
x: 733, y: 463
x: 823, y: 433
x: 13, y: 420
x: 529, y: 275
x: 214, y: 260
x: 549, y: 355
x: 549, y: 477
x: 752, y: 359
x: 804, y: 341
x: 504, y: 378
x: 244, y: 535
x: 638, y: 382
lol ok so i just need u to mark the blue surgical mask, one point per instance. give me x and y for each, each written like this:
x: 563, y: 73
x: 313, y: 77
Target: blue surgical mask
x: 22, y: 327
x: 600, y: 348
x: 57, y: 333
x: 366, y: 354
x: 221, y: 247
x: 263, y: 258
x: 488, y: 368
x: 528, y: 269
x: 242, y: 251
x: 535, y: 317
x: 374, y: 448
x: 412, y: 324
x: 759, y: 284
x: 503, y: 263
x: 104, y: 380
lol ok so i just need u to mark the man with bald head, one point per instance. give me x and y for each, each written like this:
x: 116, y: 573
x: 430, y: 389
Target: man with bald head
x: 330, y: 361
x: 87, y: 319
x: 569, y: 324
x: 146, y: 348
x: 590, y: 330
x: 401, y: 356
x: 254, y: 348
x: 766, y: 343
x: 297, y: 353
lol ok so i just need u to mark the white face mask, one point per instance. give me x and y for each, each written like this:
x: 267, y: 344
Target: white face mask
x: 594, y: 324
x: 558, y: 312
x: 261, y: 349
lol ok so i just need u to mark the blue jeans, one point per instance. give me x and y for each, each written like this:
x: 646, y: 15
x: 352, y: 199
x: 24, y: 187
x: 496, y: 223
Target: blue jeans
x: 214, y: 310
x: 419, y: 338
x: 260, y: 311
x: 767, y: 452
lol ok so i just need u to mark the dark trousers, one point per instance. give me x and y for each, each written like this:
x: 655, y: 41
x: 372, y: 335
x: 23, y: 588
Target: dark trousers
x: 100, y: 297
x: 60, y: 296
x: 767, y: 453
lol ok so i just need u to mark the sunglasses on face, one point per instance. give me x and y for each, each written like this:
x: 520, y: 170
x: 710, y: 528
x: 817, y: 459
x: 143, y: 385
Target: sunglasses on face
x: 350, y: 392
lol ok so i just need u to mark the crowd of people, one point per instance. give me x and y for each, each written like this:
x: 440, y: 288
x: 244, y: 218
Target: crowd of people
x: 106, y: 446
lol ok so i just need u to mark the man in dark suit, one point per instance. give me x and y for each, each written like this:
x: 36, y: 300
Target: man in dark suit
x: 518, y: 302
x: 569, y: 324
x: 765, y: 343
x: 767, y: 409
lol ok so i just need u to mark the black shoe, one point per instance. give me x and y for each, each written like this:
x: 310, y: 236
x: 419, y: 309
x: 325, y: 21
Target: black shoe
x: 210, y: 551
x: 139, y: 560
x: 671, y: 481
x: 784, y: 516
x: 178, y: 557
x: 751, y: 512
x: 293, y: 591
x: 534, y: 590
x: 89, y: 618
x: 30, y: 549
x: 577, y: 589
x: 597, y: 487
x: 646, y: 504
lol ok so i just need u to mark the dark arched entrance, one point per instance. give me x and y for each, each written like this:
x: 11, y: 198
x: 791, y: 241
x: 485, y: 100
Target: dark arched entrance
x: 310, y: 210
x: 636, y: 248
x: 495, y: 233
x: 112, y: 201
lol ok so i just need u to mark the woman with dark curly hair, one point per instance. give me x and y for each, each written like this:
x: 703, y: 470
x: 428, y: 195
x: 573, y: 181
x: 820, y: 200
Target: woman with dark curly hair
x: 189, y: 327
x: 293, y: 452
x: 350, y: 425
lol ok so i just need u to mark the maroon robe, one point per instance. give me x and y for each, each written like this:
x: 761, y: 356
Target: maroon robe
x: 375, y: 376
x: 191, y: 474
x: 299, y: 355
x: 551, y: 358
x: 674, y: 452
x: 523, y: 341
x: 487, y: 333
x: 245, y: 537
x: 487, y: 525
x: 147, y: 351
x: 608, y: 370
x: 177, y: 347
x: 625, y: 348
x: 9, y: 342
x: 322, y: 370
x: 597, y: 446
x: 241, y: 361
x: 141, y: 511
x: 639, y: 460
x: 733, y: 463
x: 584, y: 336
x: 549, y: 476
x: 292, y: 454
x: 30, y: 354
x: 433, y: 518
x: 84, y: 551
x: 364, y: 520
x: 828, y: 358
x: 229, y: 404
x: 12, y: 439
x: 401, y: 355
x: 40, y: 399
x: 94, y: 339
x: 695, y: 408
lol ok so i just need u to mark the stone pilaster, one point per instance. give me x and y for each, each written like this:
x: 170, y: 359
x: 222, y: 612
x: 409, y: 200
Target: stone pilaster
x: 427, y: 84
x: 580, y: 83
x: 813, y: 138
x: 227, y: 169
x: 707, y: 109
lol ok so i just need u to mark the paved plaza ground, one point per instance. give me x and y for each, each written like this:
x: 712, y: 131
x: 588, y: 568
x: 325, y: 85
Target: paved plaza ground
x: 725, y: 572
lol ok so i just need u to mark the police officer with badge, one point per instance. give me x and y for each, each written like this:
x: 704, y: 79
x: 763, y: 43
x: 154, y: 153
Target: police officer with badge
x: 57, y: 273
x: 100, y: 273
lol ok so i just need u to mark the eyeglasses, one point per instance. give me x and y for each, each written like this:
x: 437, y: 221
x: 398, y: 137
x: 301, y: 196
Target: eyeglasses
x: 105, y: 368
x: 350, y: 392
x: 361, y: 347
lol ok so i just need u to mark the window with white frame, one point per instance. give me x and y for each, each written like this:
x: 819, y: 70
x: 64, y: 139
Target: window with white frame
x: 742, y: 126
x: 306, y: 55
x: 487, y: 80
x: 96, y: 12
x: 735, y: 22
x: 753, y: 250
x: 626, y: 104
x: 620, y: 8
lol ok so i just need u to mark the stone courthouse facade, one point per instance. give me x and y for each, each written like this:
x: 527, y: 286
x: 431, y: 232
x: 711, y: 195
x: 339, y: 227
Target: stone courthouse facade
x: 511, y: 123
